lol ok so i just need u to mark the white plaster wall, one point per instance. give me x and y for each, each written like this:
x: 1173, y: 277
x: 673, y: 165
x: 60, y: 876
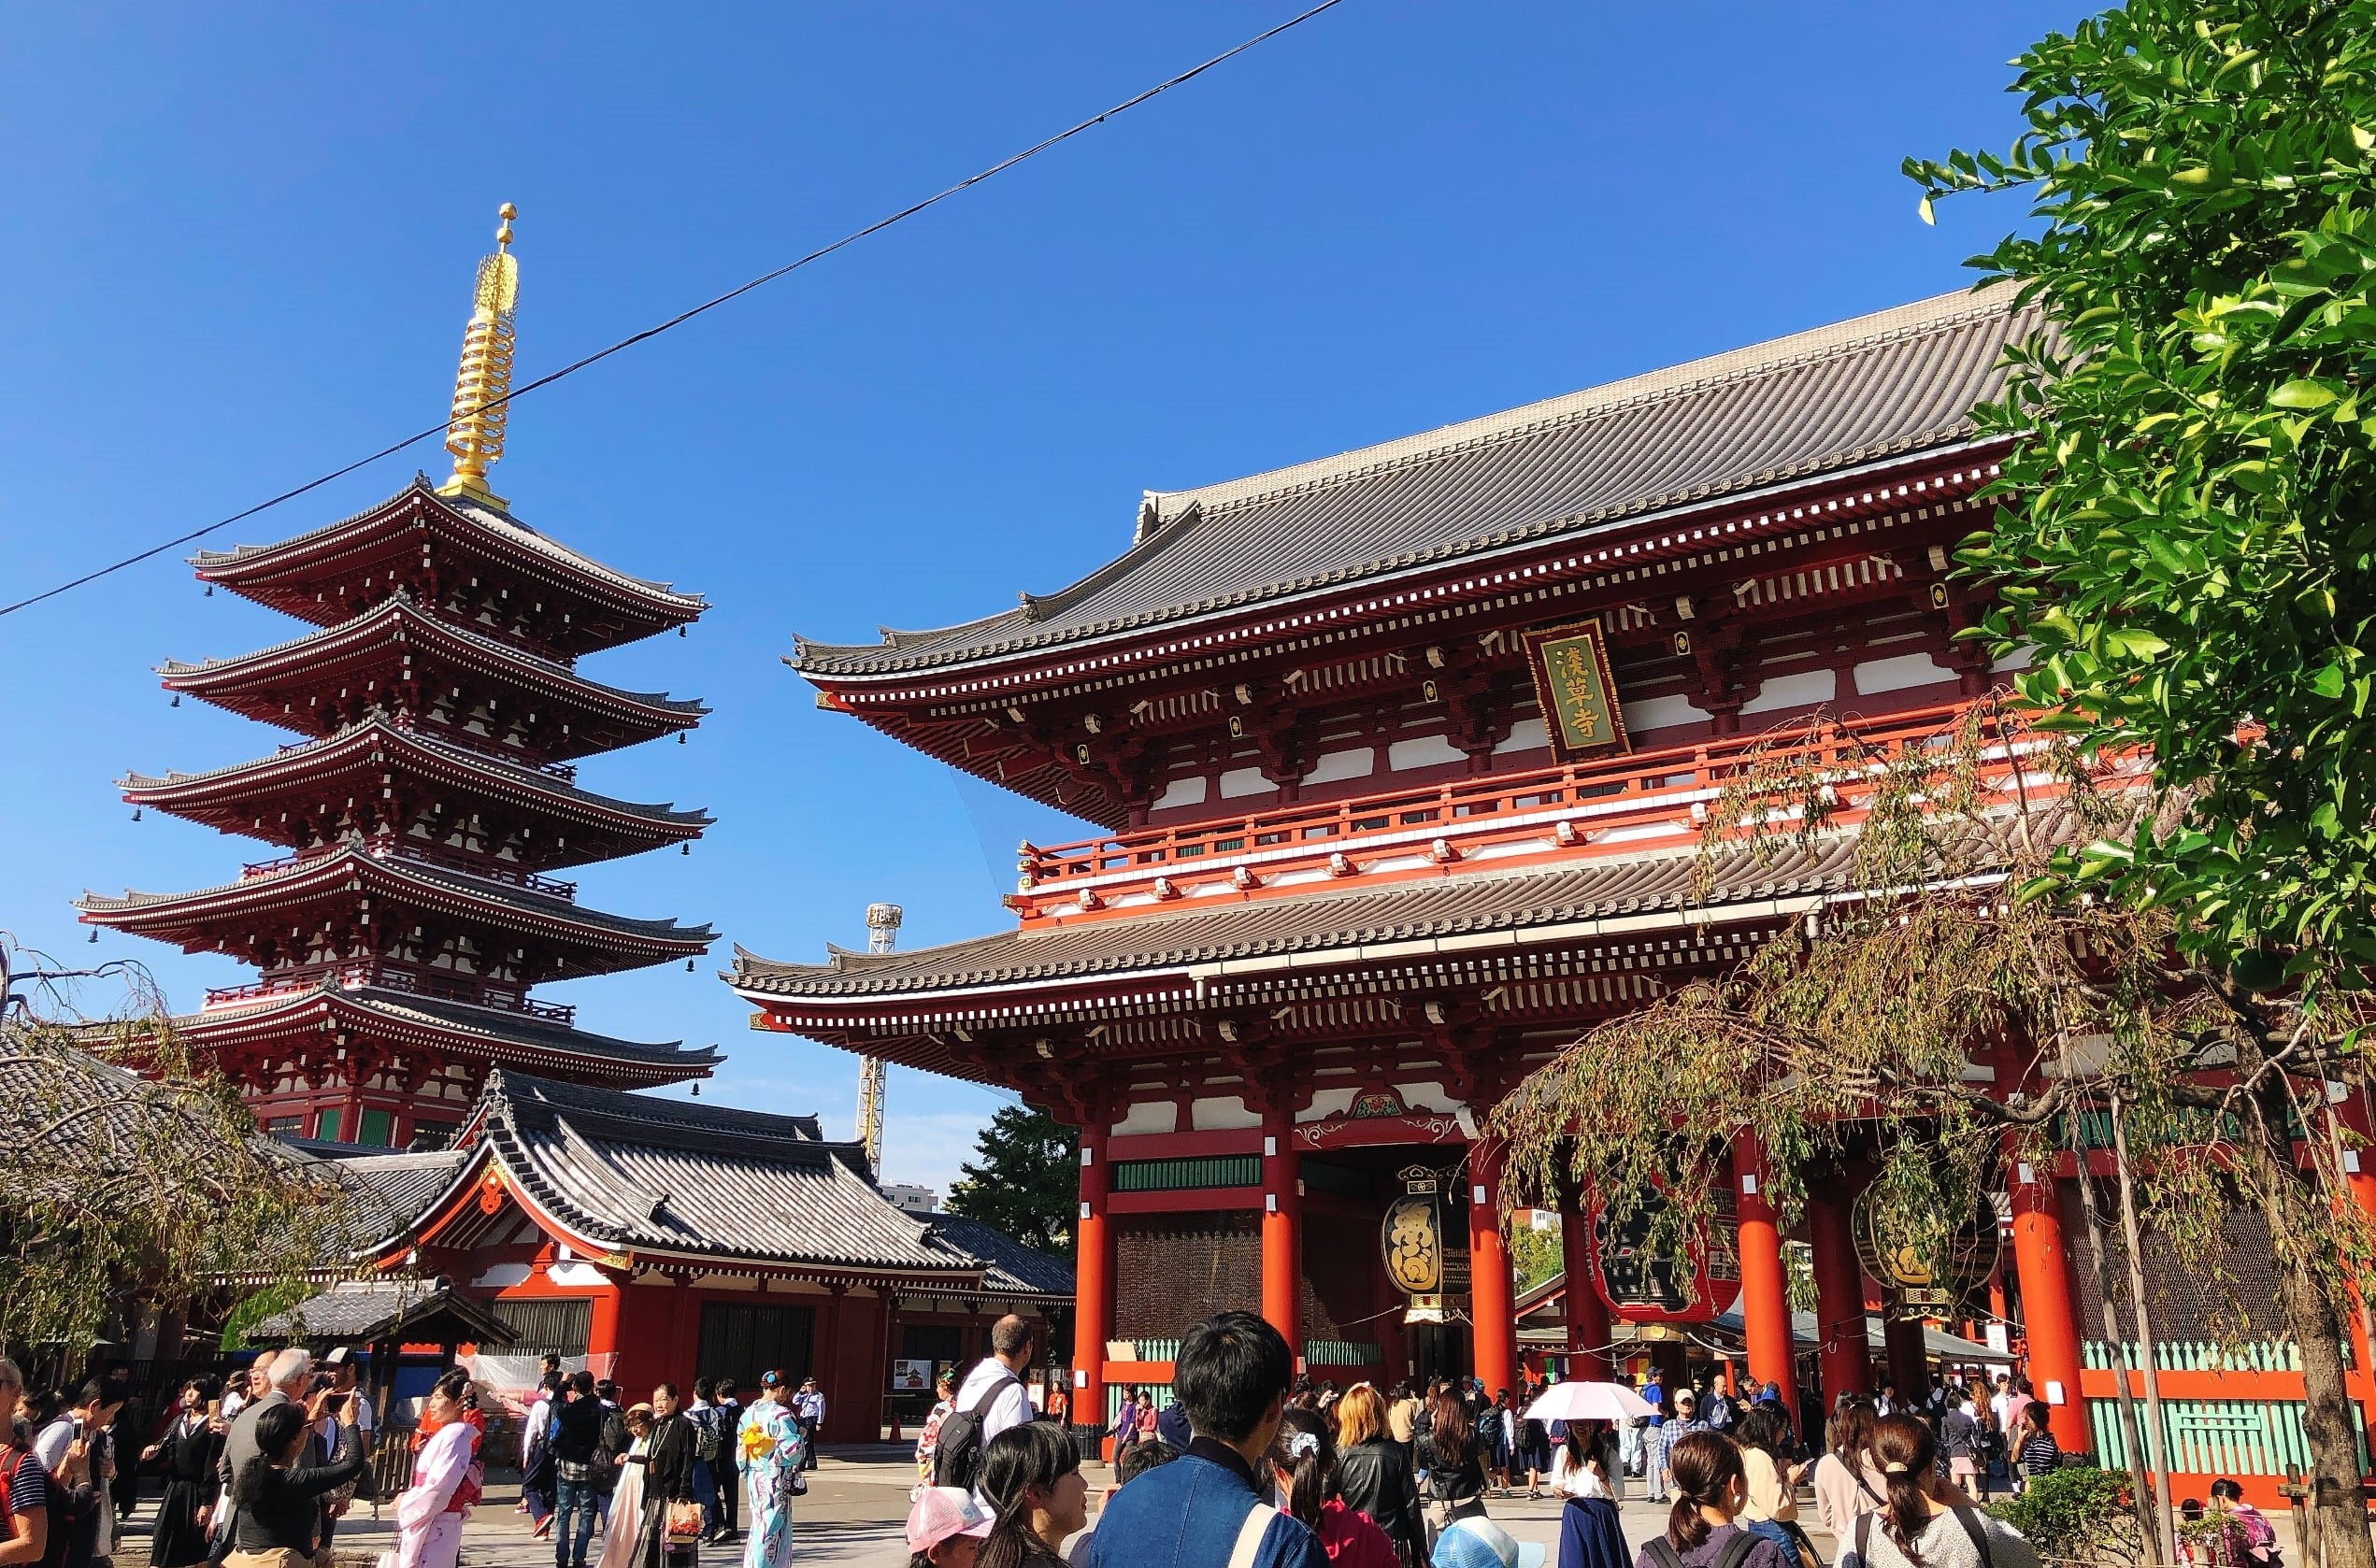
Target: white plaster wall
x: 1327, y: 1103
x: 1427, y: 751
x: 1245, y: 781
x: 1804, y: 689
x: 1898, y: 673
x: 1659, y: 713
x: 1150, y: 1116
x: 1182, y: 792
x: 1222, y: 1113
x: 1343, y: 765
x: 1527, y: 735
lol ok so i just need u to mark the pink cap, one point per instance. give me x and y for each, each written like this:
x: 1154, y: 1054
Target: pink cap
x: 941, y: 1512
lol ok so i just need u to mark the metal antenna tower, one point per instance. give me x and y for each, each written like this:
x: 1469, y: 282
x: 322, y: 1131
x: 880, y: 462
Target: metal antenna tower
x: 882, y: 936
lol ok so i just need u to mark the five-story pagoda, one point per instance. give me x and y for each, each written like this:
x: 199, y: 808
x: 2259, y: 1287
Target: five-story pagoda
x: 429, y: 797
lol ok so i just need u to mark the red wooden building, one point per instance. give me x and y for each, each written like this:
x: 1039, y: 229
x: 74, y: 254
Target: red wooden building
x: 431, y: 793
x: 1357, y: 878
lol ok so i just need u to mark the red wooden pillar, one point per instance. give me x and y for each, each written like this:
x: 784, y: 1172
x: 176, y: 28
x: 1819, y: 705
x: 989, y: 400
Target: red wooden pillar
x: 1764, y: 1296
x: 1588, y: 1332
x: 2049, y: 1321
x: 1282, y: 1221
x: 1493, y: 1310
x: 1844, y: 1355
x: 1093, y: 1315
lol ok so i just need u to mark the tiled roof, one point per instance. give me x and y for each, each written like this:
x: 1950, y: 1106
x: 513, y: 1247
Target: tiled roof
x: 402, y: 1185
x: 1878, y: 386
x: 502, y: 525
x: 638, y: 1172
x: 364, y: 1311
x: 1449, y: 908
x: 1009, y: 1265
x: 495, y: 1026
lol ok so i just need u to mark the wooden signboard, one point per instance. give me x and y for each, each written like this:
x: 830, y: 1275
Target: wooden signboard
x: 1570, y: 666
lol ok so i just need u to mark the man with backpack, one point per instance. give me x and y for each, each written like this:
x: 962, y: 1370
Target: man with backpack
x: 710, y: 1439
x: 576, y: 1441
x: 991, y: 1399
x: 729, y: 1410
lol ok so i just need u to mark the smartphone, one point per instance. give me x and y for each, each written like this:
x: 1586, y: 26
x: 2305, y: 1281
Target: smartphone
x: 335, y: 1403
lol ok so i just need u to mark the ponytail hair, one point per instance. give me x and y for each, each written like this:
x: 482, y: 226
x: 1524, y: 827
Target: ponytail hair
x: 1033, y: 1455
x: 1704, y: 1465
x: 1302, y: 1450
x: 1906, y: 1452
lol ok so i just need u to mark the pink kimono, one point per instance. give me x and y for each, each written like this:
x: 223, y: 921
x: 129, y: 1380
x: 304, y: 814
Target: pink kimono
x: 429, y: 1515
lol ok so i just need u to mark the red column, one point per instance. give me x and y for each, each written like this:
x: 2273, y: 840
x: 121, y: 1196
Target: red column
x: 1587, y: 1314
x: 1764, y: 1296
x: 1846, y: 1358
x: 2049, y: 1321
x: 1492, y: 1308
x: 1093, y: 1315
x: 1283, y: 1221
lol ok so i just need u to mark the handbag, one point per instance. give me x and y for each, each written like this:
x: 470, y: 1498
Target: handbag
x: 683, y: 1521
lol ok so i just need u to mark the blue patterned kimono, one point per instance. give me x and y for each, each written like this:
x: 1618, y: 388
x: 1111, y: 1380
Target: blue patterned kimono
x: 768, y: 1450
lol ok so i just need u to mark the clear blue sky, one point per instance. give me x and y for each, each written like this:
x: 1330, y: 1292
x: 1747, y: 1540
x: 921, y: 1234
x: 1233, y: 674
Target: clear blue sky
x: 236, y: 245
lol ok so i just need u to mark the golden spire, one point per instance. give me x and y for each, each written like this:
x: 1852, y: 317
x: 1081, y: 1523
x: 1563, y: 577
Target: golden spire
x: 475, y: 436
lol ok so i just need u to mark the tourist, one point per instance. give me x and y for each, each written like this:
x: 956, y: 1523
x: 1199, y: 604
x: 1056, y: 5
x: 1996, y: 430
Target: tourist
x: 1886, y: 1402
x: 729, y: 1498
x: 1705, y: 1473
x: 2037, y: 1453
x: 1662, y: 1439
x: 1847, y: 1480
x: 1770, y: 1508
x: 1926, y: 1524
x: 186, y: 1452
x: 1374, y: 1471
x: 1959, y: 1443
x: 1125, y: 1430
x: 768, y: 1450
x: 944, y: 1393
x: 92, y: 1458
x: 991, y: 1397
x: 1142, y: 1458
x: 667, y: 1475
x: 277, y: 1497
x: 1401, y: 1412
x: 1533, y: 1452
x: 577, y: 1435
x: 2259, y: 1536
x: 1231, y: 1375
x: 276, y: 1381
x: 24, y: 1489
x: 1303, y: 1468
x: 621, y: 1531
x: 945, y: 1528
x: 1454, y: 1463
x: 1057, y: 1406
x: 610, y: 1456
x: 1031, y: 1479
x: 1493, y: 1443
x: 445, y: 1479
x: 1590, y: 1535
x: 536, y: 1454
x: 810, y: 1406
x: 712, y: 1450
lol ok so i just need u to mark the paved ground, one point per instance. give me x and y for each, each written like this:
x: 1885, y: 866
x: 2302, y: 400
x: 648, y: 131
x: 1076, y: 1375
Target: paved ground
x: 851, y: 1518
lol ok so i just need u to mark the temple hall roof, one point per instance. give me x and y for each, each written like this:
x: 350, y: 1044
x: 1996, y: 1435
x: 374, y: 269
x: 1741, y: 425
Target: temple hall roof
x: 1873, y: 387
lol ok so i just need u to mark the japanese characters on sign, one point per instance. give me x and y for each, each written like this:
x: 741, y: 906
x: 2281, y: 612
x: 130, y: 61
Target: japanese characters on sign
x: 1570, y: 667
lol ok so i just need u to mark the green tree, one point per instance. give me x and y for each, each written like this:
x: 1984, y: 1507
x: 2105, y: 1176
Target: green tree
x: 1533, y: 1256
x: 1025, y: 1178
x: 2189, y: 544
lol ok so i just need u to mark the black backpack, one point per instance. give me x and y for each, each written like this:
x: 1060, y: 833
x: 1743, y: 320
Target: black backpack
x: 956, y: 1458
x: 1662, y: 1552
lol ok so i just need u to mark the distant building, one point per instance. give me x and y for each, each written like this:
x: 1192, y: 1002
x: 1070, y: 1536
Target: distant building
x: 911, y: 1199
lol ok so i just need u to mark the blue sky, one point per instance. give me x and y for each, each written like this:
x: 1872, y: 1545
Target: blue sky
x: 235, y: 249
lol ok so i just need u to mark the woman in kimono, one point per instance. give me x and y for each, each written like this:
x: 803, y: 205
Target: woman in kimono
x: 626, y: 1502
x: 187, y: 1453
x: 446, y: 1475
x: 769, y: 1450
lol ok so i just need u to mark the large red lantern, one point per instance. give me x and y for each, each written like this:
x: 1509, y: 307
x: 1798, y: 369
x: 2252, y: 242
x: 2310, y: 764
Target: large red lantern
x: 1644, y: 1286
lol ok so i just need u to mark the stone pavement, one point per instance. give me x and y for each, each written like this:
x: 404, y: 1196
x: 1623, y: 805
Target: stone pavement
x: 857, y: 1501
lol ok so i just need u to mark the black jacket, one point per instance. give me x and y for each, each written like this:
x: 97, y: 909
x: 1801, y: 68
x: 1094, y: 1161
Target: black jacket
x: 1375, y: 1478
x: 581, y: 1430
x: 289, y: 1512
x: 668, y: 1459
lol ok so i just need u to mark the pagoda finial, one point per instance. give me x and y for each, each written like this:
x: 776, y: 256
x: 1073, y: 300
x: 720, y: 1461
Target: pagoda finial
x: 475, y: 436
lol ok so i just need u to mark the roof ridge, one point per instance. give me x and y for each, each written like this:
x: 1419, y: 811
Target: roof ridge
x: 1753, y: 362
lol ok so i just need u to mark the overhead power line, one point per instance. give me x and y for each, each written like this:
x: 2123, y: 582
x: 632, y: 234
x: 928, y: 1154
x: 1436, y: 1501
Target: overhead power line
x: 682, y: 317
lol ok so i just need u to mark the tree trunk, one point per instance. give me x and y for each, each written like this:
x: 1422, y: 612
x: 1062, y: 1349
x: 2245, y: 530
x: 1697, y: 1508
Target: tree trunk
x: 2141, y: 1484
x: 2289, y: 1197
x: 2133, y: 1241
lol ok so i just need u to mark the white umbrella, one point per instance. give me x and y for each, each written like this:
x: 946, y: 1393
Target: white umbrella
x: 1588, y: 1402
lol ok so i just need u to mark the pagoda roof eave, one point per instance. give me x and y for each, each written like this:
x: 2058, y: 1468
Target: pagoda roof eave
x: 1821, y: 403
x: 459, y: 1027
x: 245, y: 567
x: 185, y: 793
x: 350, y: 871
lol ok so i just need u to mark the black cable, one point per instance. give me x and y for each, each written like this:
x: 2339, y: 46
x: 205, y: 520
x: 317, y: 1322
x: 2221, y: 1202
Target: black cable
x: 682, y: 318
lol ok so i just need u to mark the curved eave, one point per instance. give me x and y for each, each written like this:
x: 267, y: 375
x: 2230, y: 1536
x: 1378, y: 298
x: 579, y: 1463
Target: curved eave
x: 287, y: 573
x: 187, y: 916
x: 226, y: 797
x: 249, y: 682
x: 546, y: 1053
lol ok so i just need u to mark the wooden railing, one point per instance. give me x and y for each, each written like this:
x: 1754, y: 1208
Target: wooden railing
x: 386, y: 847
x: 350, y: 975
x: 1577, y: 803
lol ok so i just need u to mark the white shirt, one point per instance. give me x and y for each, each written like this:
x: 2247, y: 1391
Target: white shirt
x: 50, y: 1446
x: 1011, y: 1408
x: 1570, y: 1480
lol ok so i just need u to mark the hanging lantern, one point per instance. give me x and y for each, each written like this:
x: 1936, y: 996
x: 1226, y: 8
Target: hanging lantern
x: 1911, y: 1290
x: 1417, y: 1241
x: 1644, y: 1286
